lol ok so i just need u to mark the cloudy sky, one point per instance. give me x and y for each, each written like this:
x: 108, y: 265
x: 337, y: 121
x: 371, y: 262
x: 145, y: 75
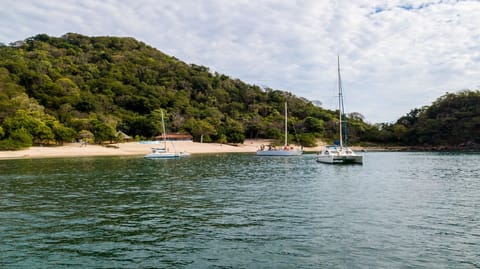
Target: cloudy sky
x: 395, y: 55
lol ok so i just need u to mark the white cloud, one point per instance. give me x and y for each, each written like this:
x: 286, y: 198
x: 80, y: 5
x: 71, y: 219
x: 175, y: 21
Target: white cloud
x: 395, y: 55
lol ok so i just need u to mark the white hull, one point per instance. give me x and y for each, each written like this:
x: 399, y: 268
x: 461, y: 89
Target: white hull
x: 162, y: 155
x: 340, y: 154
x: 286, y: 150
x: 279, y: 152
x: 162, y: 152
x: 340, y: 159
x: 166, y: 155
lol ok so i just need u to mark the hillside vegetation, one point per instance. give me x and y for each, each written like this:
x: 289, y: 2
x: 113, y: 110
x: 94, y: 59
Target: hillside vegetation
x: 452, y: 121
x: 59, y: 89
x: 54, y: 90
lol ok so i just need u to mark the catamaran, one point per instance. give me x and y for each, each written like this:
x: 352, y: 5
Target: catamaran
x: 163, y: 152
x: 341, y: 153
x: 286, y: 150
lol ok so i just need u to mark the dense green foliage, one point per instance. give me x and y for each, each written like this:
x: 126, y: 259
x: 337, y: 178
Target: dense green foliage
x: 453, y: 120
x: 52, y: 89
x: 61, y: 89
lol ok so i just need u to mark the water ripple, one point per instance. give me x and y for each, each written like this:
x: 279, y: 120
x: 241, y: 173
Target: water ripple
x: 414, y: 210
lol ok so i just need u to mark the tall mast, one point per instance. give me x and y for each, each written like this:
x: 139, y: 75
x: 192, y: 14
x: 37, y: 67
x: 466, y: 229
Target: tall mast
x: 286, y: 129
x: 164, y: 134
x: 341, y: 111
x: 340, y: 103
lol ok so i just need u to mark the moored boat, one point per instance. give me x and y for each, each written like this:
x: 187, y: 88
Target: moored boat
x: 341, y: 153
x: 163, y: 152
x: 283, y: 151
x: 286, y: 150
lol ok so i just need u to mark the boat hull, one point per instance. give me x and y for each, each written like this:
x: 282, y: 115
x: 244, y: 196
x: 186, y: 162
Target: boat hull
x: 162, y: 152
x: 340, y: 159
x: 279, y: 152
x: 166, y: 155
x: 163, y: 155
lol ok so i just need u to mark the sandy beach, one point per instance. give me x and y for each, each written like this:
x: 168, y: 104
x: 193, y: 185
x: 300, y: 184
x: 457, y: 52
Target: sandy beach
x: 131, y: 149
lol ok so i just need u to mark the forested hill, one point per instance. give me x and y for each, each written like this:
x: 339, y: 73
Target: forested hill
x: 53, y: 89
x: 56, y: 89
x: 451, y: 122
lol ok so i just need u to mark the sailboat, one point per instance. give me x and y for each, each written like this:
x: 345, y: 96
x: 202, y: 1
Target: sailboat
x: 286, y: 150
x: 341, y: 153
x: 163, y: 152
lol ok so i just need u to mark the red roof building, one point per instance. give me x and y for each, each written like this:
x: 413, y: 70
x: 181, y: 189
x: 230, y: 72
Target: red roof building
x: 175, y: 137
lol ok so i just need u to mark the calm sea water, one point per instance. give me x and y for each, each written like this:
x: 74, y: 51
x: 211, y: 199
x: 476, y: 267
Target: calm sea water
x: 398, y: 210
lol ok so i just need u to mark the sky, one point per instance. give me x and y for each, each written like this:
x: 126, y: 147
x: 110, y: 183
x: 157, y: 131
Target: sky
x: 395, y: 55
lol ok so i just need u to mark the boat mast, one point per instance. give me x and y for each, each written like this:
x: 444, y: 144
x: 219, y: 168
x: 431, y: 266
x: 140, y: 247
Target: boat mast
x: 163, y: 133
x: 340, y: 103
x: 341, y: 110
x: 286, y: 129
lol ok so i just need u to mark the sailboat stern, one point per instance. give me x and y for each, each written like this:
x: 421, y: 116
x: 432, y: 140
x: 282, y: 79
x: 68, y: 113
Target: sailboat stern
x: 334, y: 155
x: 343, y: 159
x: 349, y: 159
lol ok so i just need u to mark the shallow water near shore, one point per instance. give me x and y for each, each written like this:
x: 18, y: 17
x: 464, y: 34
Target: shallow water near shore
x: 403, y: 209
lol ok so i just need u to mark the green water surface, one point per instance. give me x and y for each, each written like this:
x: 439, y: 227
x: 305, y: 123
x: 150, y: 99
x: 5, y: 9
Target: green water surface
x: 398, y: 210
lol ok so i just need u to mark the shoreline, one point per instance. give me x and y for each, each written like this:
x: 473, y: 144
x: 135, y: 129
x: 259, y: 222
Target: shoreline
x: 72, y: 150
x: 121, y: 149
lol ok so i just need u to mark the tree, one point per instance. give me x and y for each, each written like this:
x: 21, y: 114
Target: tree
x: 233, y: 130
x: 399, y: 131
x: 449, y: 121
x: 307, y: 140
x: 103, y: 132
x: 356, y: 116
x: 123, y: 82
x: 18, y: 139
x: 314, y: 125
x: 62, y: 133
x: 222, y: 139
x: 22, y: 138
x: 42, y: 133
x: 139, y: 125
x: 200, y: 129
x: 31, y: 123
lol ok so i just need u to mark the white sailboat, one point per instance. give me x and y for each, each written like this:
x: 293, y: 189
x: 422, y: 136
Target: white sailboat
x: 340, y: 154
x: 163, y: 152
x: 286, y: 150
